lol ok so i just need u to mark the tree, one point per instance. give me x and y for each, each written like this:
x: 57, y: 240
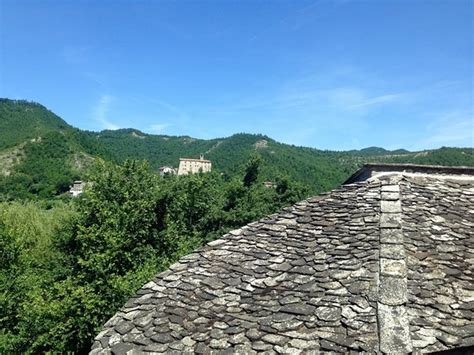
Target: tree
x: 251, y: 170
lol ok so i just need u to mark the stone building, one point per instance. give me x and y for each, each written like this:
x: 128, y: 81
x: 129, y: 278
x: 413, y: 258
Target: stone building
x: 77, y: 188
x: 164, y: 170
x: 383, y: 264
x: 192, y: 166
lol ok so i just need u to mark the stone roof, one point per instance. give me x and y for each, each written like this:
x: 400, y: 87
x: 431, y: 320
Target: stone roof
x: 381, y: 265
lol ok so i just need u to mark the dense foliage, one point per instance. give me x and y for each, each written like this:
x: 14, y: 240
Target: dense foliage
x: 67, y: 267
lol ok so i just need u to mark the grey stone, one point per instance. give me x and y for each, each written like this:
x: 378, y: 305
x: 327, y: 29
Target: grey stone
x: 392, y: 251
x: 392, y: 290
x: 391, y: 236
x: 396, y: 268
x: 121, y: 348
x: 162, y: 338
x: 329, y: 314
x: 274, y: 339
x: 261, y: 346
x: 394, y: 329
x: 390, y: 220
x: 123, y: 327
x: 388, y: 206
x: 298, y: 308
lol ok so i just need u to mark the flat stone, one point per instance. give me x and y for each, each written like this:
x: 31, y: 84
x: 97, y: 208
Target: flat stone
x: 261, y: 346
x: 280, y: 266
x: 219, y: 343
x: 188, y: 341
x: 298, y: 308
x: 388, y: 206
x: 121, y: 348
x: 391, y: 188
x: 392, y: 290
x: 391, y: 236
x: 274, y: 339
x: 396, y: 268
x: 289, y: 299
x: 304, y: 344
x: 390, y: 220
x: 329, y: 314
x: 286, y: 325
x: 217, y: 242
x: 123, y: 327
x: 390, y: 195
x: 162, y: 338
x: 305, y: 270
x: 253, y: 334
x: 392, y: 251
x: 394, y: 329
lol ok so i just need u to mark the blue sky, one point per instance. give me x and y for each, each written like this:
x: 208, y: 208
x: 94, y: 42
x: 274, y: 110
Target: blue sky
x: 326, y: 74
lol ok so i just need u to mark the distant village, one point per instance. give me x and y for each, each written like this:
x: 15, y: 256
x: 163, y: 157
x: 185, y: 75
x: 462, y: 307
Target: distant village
x: 186, y: 166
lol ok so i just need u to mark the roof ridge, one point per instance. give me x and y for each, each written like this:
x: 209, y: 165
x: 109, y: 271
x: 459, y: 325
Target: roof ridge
x: 392, y: 318
x: 369, y: 170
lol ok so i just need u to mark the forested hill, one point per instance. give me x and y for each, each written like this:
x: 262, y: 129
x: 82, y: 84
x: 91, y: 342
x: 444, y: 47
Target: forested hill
x: 20, y: 120
x: 40, y: 154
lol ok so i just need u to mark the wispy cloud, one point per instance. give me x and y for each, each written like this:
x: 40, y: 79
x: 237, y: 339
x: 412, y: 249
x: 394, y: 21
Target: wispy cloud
x: 158, y: 128
x: 455, y: 128
x: 340, y: 99
x: 101, y: 110
x: 378, y: 100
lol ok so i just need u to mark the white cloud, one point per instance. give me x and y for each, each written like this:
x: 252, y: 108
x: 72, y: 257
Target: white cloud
x: 455, y: 128
x: 101, y: 111
x: 376, y: 100
x: 158, y: 128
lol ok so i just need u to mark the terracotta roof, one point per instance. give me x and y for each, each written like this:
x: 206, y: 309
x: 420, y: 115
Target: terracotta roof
x: 382, y: 265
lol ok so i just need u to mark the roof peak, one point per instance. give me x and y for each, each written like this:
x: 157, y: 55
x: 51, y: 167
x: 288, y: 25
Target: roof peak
x: 374, y: 169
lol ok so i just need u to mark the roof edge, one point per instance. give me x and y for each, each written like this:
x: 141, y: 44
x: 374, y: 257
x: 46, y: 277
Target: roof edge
x: 367, y: 169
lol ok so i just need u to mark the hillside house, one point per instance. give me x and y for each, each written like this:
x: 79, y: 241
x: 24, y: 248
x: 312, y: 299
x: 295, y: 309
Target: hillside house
x: 77, y: 188
x: 192, y: 166
x: 164, y: 170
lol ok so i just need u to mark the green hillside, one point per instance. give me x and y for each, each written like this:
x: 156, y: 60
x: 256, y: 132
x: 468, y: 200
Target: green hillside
x: 21, y: 120
x: 40, y: 154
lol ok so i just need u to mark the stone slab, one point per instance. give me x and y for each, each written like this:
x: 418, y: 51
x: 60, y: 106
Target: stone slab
x: 388, y: 206
x: 394, y: 329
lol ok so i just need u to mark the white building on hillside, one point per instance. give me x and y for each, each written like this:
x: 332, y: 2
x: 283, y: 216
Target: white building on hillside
x: 167, y: 170
x: 192, y: 166
x: 77, y: 188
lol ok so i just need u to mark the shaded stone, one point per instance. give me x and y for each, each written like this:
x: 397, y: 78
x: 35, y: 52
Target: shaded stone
x: 297, y: 308
x: 124, y: 327
x: 261, y: 346
x: 162, y: 338
x: 121, y: 348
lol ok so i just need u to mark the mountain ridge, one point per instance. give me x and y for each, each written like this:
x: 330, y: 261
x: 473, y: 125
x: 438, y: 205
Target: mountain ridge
x: 43, y: 152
